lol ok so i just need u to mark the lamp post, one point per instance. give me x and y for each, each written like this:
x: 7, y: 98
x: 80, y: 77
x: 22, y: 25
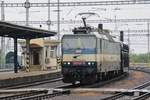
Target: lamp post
x: 115, y: 17
x: 27, y: 6
x: 49, y: 21
x: 128, y: 35
x: 58, y: 20
x: 58, y: 29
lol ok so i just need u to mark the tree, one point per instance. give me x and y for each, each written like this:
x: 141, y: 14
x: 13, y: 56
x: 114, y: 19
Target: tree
x: 138, y: 58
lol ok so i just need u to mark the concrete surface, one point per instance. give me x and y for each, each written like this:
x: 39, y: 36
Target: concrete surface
x: 12, y: 79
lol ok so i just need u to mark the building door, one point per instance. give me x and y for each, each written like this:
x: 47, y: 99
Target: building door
x: 36, y: 58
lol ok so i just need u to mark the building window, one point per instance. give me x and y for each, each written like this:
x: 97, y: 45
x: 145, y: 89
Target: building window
x: 46, y: 51
x: 53, y: 51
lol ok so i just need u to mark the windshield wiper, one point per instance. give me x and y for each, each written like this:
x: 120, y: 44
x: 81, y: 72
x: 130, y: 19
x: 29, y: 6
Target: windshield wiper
x: 76, y: 56
x: 68, y: 46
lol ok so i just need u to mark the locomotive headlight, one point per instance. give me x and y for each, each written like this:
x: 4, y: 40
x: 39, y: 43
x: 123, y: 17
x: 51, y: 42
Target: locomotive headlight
x: 89, y: 63
x: 92, y: 63
x: 68, y: 63
x: 65, y: 63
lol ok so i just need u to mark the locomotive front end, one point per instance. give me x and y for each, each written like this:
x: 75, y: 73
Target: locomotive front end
x: 78, y: 58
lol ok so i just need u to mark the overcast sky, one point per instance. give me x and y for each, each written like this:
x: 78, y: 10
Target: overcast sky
x: 69, y: 13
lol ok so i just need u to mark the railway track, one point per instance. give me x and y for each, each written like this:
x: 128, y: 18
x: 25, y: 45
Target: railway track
x: 39, y: 95
x: 21, y: 95
x: 36, y: 95
x: 121, y: 95
x: 144, y: 96
x: 46, y: 96
x: 64, y: 89
x: 33, y: 84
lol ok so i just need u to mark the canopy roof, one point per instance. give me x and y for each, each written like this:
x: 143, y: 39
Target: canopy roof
x: 22, y: 32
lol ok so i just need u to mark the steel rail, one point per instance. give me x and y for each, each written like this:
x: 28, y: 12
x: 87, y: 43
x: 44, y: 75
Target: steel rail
x: 143, y: 85
x: 13, y: 97
x: 45, y: 96
x: 119, y: 95
x: 114, y: 97
x: 142, y: 97
x: 32, y: 84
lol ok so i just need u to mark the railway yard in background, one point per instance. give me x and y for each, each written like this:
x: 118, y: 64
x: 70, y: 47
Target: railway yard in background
x: 130, y: 86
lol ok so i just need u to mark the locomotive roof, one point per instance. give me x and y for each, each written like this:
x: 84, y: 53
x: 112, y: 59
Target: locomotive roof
x: 103, y: 34
x: 96, y: 34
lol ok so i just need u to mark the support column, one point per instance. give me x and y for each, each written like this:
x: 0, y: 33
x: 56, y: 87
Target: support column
x: 27, y: 55
x: 2, y: 11
x: 49, y: 55
x: 2, y: 38
x: 48, y: 51
x: 15, y: 56
x: 23, y: 56
x: 43, y: 59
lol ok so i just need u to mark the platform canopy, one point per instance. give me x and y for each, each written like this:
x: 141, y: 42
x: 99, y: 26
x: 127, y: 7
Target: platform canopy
x: 22, y: 32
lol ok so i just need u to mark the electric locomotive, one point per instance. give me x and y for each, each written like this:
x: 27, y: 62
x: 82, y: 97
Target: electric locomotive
x: 90, y: 55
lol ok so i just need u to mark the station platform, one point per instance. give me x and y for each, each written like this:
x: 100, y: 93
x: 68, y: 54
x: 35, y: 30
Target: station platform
x: 9, y: 78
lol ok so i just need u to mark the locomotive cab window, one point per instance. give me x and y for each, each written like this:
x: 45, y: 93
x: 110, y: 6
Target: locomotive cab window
x: 79, y: 41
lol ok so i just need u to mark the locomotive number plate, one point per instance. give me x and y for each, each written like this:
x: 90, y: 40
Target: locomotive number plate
x: 78, y: 51
x: 78, y: 63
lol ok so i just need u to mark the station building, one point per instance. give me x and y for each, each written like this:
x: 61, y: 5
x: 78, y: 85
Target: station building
x: 43, y: 54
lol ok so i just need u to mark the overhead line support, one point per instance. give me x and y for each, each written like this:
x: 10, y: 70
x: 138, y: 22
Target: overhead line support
x: 69, y: 4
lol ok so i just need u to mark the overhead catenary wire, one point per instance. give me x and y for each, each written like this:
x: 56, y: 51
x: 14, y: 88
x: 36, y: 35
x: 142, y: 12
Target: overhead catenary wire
x: 69, y: 4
